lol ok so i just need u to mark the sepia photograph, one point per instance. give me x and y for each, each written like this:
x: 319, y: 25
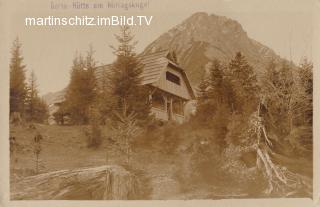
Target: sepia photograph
x: 159, y: 100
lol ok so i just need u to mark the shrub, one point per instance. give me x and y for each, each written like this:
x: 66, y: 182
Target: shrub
x: 94, y: 136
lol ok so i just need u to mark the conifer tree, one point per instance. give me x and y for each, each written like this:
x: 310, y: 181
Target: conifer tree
x: 210, y: 91
x: 32, y: 96
x: 204, y: 109
x: 17, y: 79
x: 36, y: 109
x: 106, y: 102
x: 244, y: 83
x: 125, y: 80
x: 219, y: 88
x: 81, y: 91
x: 215, y: 88
x: 130, y: 96
x: 73, y: 96
x: 214, y: 106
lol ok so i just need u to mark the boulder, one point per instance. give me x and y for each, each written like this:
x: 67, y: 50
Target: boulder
x: 98, y: 183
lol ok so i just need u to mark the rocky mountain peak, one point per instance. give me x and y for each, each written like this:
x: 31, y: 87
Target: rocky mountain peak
x: 202, y: 37
x: 201, y: 20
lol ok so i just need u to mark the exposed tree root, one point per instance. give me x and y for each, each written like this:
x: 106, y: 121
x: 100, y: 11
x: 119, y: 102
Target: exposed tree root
x: 280, y: 179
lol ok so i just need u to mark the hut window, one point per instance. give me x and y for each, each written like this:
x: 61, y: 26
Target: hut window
x: 173, y: 78
x: 177, y: 106
x: 158, y: 101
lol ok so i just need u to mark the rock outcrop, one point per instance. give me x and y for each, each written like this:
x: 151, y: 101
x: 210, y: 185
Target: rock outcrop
x: 98, y: 183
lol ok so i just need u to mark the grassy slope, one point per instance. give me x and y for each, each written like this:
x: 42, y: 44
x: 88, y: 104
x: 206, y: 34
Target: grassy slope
x: 163, y: 156
x: 64, y: 147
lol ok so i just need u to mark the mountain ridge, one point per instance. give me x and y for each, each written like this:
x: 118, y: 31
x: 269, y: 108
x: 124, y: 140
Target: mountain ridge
x: 202, y: 37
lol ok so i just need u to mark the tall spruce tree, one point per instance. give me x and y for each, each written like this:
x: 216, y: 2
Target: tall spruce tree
x: 18, y: 89
x: 130, y: 107
x: 81, y: 91
x: 244, y: 83
x: 32, y: 96
x: 106, y: 102
x: 214, y: 98
x: 36, y: 109
x: 211, y: 93
x: 219, y: 85
x: 205, y: 107
x: 125, y: 80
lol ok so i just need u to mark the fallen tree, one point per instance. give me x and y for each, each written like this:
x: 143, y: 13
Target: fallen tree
x: 98, y: 183
x: 281, y: 180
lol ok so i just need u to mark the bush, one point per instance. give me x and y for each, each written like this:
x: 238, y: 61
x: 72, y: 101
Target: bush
x: 201, y: 164
x: 94, y: 136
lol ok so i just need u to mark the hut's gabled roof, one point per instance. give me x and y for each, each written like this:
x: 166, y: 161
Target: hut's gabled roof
x: 153, y: 66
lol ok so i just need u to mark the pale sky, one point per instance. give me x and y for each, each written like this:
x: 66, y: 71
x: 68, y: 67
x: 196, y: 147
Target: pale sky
x: 282, y: 25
